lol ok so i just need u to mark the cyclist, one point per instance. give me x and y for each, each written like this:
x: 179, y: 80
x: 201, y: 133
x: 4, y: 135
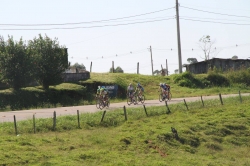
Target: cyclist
x: 98, y: 91
x: 103, y: 92
x: 139, y: 89
x: 130, y: 91
x: 168, y: 89
x: 163, y: 89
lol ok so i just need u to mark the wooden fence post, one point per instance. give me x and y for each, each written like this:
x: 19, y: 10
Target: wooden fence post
x: 221, y: 99
x: 54, y: 120
x: 103, y: 114
x: 167, y: 107
x: 78, y: 119
x: 125, y: 113
x: 145, y: 109
x: 15, y: 126
x: 34, y: 123
x: 186, y: 104
x: 240, y: 97
x: 202, y: 101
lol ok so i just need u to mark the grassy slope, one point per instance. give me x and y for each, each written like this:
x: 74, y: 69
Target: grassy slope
x: 214, y: 135
x: 151, y: 84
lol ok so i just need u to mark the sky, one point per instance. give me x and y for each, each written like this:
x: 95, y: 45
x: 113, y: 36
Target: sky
x: 102, y: 31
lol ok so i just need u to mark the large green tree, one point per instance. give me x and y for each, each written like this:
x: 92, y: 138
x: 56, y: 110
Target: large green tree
x: 15, y: 63
x: 50, y: 60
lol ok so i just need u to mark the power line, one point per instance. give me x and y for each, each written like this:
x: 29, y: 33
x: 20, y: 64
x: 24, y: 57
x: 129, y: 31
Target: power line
x: 89, y: 21
x: 214, y: 12
x: 214, y: 22
x: 212, y: 18
x: 215, y: 8
x: 97, y: 26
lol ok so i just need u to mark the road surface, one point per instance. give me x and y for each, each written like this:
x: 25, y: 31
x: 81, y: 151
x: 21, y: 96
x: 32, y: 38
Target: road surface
x: 60, y: 111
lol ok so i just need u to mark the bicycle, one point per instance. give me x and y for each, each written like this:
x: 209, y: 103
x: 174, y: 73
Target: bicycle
x: 140, y: 97
x: 165, y: 97
x: 132, y: 99
x: 101, y: 102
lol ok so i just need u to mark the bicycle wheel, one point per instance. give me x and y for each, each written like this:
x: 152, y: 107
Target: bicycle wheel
x: 141, y: 99
x: 170, y: 96
x: 107, y: 103
x: 160, y: 97
x: 129, y: 100
x: 97, y: 103
x: 134, y: 100
x: 101, y: 104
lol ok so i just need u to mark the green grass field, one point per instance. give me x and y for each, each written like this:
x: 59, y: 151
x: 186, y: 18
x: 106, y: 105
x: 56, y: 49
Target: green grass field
x: 212, y: 135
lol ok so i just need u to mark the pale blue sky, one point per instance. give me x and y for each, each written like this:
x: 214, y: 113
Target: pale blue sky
x: 131, y: 42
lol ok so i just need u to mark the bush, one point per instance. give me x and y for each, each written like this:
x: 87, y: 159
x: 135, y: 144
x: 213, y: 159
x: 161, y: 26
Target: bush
x: 63, y: 94
x: 188, y: 79
x: 240, y: 76
x: 216, y: 79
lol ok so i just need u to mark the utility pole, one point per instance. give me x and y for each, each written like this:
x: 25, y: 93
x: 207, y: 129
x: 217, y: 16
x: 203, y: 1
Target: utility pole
x: 137, y: 67
x: 167, y: 67
x: 91, y: 67
x: 151, y: 60
x: 112, y: 67
x: 178, y: 37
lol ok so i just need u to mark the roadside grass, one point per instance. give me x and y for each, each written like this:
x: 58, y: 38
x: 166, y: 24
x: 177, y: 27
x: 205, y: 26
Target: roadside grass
x: 211, y: 135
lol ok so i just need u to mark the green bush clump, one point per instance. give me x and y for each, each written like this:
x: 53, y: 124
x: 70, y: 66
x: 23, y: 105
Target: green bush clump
x: 188, y: 79
x: 216, y: 79
x: 33, y: 97
x: 239, y: 77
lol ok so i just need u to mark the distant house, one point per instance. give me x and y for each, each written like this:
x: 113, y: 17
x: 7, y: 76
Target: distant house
x: 221, y: 64
x: 74, y: 74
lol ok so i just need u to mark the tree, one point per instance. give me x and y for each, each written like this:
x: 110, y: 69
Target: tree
x: 117, y: 70
x: 206, y: 45
x: 79, y: 66
x: 15, y: 63
x: 235, y: 57
x: 50, y: 60
x: 192, y: 60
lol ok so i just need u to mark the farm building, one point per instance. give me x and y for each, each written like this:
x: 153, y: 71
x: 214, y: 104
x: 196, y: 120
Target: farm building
x: 221, y: 64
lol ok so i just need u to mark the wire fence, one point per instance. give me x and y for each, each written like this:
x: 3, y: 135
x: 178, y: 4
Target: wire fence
x: 113, y: 118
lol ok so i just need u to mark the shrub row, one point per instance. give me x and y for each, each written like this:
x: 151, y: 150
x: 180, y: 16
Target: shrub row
x: 33, y: 97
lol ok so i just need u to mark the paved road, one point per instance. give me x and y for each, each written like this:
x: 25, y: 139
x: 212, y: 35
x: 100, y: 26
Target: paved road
x: 60, y: 111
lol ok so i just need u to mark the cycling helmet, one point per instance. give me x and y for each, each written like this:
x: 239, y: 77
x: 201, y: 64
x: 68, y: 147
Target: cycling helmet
x: 160, y: 84
x: 138, y: 84
x: 130, y: 84
x: 99, y: 87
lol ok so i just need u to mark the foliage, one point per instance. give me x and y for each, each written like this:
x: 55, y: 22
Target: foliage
x: 235, y: 57
x: 118, y: 69
x: 33, y: 97
x: 15, y: 63
x: 217, y: 79
x: 206, y: 45
x: 192, y: 60
x: 79, y: 66
x: 241, y: 76
x: 188, y: 79
x: 50, y: 60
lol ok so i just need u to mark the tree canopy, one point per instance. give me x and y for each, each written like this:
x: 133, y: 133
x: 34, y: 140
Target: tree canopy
x: 192, y: 60
x: 15, y: 63
x: 118, y: 69
x: 206, y: 45
x: 50, y: 60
